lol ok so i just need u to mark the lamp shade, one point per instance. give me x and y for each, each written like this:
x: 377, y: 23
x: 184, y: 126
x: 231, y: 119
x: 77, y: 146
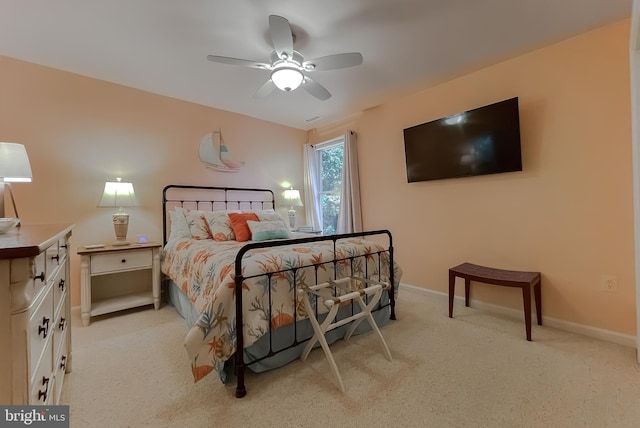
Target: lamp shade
x: 14, y: 163
x: 287, y: 78
x: 118, y: 194
x: 292, y: 198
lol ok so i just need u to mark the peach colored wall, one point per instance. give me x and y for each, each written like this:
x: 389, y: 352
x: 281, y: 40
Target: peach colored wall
x: 568, y: 214
x: 80, y: 132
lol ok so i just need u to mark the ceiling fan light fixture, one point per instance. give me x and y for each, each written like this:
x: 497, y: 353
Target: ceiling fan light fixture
x: 287, y: 67
x: 287, y: 78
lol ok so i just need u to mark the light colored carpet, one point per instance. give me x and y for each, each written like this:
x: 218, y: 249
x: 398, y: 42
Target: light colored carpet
x: 476, y: 370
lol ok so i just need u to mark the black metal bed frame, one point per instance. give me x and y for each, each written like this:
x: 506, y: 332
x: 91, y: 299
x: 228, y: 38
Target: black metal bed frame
x: 240, y: 364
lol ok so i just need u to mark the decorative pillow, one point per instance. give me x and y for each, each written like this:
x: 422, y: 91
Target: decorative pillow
x: 179, y: 226
x: 266, y: 230
x: 198, y: 225
x: 220, y: 225
x: 239, y: 225
x: 271, y: 215
x: 209, y: 225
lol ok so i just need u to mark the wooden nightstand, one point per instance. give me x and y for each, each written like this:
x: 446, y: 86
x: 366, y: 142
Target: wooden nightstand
x: 114, y: 278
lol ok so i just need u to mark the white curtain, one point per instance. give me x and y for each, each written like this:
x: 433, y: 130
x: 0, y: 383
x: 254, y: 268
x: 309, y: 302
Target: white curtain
x: 350, y: 214
x: 312, y: 204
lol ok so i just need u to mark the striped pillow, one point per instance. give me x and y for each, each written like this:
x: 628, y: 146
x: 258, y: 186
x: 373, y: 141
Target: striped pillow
x: 267, y: 230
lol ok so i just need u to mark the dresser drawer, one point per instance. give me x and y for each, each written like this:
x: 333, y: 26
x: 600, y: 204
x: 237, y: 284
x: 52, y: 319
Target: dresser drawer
x: 120, y: 261
x: 60, y: 286
x: 62, y: 249
x: 52, y: 260
x: 60, y: 367
x: 40, y: 329
x: 23, y: 271
x: 39, y: 271
x: 42, y: 381
x: 59, y: 330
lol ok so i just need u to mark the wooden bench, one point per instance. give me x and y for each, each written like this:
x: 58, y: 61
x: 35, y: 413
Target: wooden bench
x: 507, y: 278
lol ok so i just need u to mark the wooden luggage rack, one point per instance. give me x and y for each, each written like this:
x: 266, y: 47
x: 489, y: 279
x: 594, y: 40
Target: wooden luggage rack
x: 333, y: 294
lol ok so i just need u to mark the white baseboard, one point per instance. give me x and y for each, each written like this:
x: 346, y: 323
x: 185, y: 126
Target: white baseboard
x: 585, y: 330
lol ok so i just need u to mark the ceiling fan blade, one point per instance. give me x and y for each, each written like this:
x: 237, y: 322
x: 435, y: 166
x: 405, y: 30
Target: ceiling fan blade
x: 281, y: 36
x: 333, y: 62
x: 315, y: 89
x: 265, y: 89
x: 237, y: 61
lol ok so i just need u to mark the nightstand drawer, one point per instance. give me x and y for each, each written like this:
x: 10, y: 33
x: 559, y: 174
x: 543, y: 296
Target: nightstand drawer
x: 120, y: 261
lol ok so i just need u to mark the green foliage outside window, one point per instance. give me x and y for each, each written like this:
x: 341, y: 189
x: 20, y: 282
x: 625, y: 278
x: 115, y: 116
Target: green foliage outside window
x: 331, y: 173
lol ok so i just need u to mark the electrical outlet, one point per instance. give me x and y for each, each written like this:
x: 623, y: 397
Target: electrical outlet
x: 608, y: 283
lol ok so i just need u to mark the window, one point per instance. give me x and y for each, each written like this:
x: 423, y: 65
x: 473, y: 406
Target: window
x: 330, y: 157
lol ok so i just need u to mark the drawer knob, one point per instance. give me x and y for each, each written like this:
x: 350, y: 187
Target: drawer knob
x: 40, y: 277
x: 63, y: 362
x: 44, y: 328
x: 42, y: 395
x: 123, y: 260
x: 62, y: 323
x: 61, y: 285
x: 56, y: 257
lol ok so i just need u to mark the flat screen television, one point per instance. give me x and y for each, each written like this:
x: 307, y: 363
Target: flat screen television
x: 485, y: 140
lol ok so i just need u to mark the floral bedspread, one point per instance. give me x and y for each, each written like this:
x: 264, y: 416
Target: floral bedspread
x: 205, y: 271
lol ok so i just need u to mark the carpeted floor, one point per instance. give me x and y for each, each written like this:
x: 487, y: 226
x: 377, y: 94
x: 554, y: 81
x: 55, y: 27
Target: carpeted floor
x: 476, y: 370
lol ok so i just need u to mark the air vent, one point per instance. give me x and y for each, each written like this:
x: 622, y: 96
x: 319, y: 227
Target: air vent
x: 312, y: 118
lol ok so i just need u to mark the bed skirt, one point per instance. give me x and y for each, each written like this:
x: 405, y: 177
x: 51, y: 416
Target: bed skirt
x: 281, y: 337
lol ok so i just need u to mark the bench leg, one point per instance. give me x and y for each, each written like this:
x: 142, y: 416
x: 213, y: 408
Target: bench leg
x: 526, y: 297
x: 537, y: 292
x: 452, y: 292
x: 467, y: 288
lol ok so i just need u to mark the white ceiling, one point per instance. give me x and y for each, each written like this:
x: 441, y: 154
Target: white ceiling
x: 161, y: 46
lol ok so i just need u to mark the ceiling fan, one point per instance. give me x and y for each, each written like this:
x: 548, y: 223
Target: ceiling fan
x: 288, y: 67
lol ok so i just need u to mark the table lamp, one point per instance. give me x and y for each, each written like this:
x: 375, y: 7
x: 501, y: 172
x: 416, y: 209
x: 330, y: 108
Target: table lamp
x: 292, y: 198
x: 14, y: 167
x: 119, y: 194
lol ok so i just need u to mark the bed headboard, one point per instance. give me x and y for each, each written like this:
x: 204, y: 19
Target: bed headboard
x: 207, y: 198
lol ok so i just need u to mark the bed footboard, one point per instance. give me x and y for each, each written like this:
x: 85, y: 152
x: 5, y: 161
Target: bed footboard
x: 382, y: 257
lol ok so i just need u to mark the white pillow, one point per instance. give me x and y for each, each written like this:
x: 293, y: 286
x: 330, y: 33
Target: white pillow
x: 271, y: 215
x: 267, y: 230
x: 179, y: 227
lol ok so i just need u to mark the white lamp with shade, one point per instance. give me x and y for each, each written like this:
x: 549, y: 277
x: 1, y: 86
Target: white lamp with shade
x: 292, y: 198
x: 14, y: 168
x: 119, y: 194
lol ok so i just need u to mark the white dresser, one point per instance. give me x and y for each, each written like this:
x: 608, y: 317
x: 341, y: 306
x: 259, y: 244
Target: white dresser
x: 35, y: 314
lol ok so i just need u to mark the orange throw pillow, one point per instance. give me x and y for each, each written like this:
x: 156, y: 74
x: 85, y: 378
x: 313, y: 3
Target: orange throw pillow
x: 239, y: 225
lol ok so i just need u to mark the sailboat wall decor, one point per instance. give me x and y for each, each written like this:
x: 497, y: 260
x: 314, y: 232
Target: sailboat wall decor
x: 215, y: 155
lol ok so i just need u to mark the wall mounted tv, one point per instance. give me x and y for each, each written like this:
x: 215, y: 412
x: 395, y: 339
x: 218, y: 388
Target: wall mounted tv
x: 485, y: 140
